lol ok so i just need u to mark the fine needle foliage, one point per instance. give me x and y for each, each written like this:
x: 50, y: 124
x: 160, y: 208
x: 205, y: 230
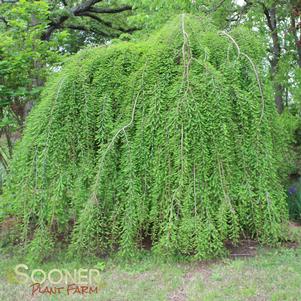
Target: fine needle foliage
x: 173, y: 141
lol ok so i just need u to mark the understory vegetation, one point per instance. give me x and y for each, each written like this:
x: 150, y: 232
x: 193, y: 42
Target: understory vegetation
x: 172, y: 143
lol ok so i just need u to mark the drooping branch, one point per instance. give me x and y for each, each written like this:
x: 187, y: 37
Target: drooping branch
x: 254, y: 69
x: 94, y: 198
x: 2, y: 19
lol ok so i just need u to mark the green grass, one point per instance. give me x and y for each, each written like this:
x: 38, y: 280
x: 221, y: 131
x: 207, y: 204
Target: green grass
x: 272, y: 275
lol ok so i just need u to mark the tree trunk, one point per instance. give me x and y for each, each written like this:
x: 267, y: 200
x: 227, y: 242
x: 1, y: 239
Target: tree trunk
x: 271, y: 17
x: 294, y: 15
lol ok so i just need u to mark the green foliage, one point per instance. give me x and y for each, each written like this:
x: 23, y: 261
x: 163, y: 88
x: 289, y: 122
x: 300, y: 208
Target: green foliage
x: 101, y: 265
x: 25, y: 61
x: 171, y: 139
x: 151, y: 14
x: 23, y: 54
x: 41, y: 247
x: 294, y: 201
x: 285, y: 128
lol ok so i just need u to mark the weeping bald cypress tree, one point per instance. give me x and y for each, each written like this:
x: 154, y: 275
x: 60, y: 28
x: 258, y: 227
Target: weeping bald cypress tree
x: 171, y: 140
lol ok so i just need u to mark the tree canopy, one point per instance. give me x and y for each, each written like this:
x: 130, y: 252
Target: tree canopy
x: 37, y: 35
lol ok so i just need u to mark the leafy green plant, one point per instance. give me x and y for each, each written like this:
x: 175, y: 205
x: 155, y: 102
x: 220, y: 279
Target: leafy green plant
x: 294, y: 201
x: 41, y: 247
x: 101, y: 265
x: 173, y: 139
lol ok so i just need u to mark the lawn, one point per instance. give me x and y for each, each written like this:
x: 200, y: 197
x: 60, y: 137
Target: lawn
x: 273, y: 274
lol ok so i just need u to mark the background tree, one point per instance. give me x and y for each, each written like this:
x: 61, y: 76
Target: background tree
x: 35, y: 36
x: 279, y: 22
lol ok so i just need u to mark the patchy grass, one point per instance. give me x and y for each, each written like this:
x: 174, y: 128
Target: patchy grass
x: 249, y: 273
x: 271, y: 275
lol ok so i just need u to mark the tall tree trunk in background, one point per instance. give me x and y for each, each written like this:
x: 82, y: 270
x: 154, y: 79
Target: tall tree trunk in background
x: 295, y: 25
x: 271, y: 18
x: 37, y: 80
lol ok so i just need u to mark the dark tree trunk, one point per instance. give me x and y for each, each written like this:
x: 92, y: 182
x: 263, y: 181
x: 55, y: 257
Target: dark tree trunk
x: 294, y: 15
x: 271, y: 18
